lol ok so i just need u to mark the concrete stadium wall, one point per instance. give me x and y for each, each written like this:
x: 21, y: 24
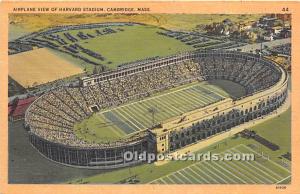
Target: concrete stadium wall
x: 93, y: 158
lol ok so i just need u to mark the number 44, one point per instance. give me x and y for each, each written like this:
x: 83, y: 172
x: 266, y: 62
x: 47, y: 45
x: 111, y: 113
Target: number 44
x: 285, y: 9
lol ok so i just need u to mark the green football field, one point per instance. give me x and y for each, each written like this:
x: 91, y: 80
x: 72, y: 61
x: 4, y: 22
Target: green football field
x: 133, y: 117
x: 132, y: 43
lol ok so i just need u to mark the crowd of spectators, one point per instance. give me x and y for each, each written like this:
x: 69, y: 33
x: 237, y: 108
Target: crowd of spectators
x: 254, y: 76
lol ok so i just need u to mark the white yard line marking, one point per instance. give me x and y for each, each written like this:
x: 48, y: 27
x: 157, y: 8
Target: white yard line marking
x: 215, y: 174
x: 264, y: 171
x: 195, y: 99
x: 171, y: 180
x: 164, y: 182
x: 253, y: 173
x: 202, y: 171
x: 119, y: 117
x: 197, y: 94
x: 176, y: 177
x: 171, y: 106
x: 257, y: 174
x: 218, y: 171
x: 194, y: 173
x: 270, y: 160
x: 283, y: 179
x: 185, y: 177
x: 280, y: 177
x: 159, y: 116
x: 234, y: 169
x: 141, y: 114
x: 128, y: 114
x: 239, y: 178
x: 183, y: 99
x: 125, y: 119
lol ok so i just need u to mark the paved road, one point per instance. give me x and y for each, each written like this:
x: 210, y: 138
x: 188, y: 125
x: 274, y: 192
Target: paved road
x: 253, y: 47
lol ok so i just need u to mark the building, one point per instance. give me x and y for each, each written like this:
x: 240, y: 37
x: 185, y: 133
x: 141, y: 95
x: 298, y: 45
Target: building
x: 283, y: 17
x: 243, y: 27
x: 268, y: 37
x: 17, y: 109
x: 285, y: 33
x: 276, y: 29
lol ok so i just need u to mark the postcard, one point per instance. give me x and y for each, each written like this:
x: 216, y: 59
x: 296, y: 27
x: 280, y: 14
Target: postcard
x: 131, y: 97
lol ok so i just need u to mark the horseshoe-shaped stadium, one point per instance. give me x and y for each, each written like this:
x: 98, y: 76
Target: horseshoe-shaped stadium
x: 51, y: 118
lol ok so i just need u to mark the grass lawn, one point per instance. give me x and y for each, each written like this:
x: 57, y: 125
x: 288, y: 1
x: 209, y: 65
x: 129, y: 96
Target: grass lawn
x: 97, y: 129
x: 277, y: 131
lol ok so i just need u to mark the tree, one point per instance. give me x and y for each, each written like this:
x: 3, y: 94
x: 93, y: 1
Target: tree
x: 278, y: 23
x: 226, y: 28
x: 252, y: 36
x: 259, y: 32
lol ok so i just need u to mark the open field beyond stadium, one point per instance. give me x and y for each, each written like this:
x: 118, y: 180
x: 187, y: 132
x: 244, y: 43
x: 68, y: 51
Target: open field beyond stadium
x: 39, y: 66
x: 133, y: 117
x: 127, y: 44
x: 259, y: 171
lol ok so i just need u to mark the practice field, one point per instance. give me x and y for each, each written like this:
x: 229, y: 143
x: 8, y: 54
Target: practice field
x: 133, y: 117
x: 39, y: 66
x: 127, y: 44
x: 258, y: 171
